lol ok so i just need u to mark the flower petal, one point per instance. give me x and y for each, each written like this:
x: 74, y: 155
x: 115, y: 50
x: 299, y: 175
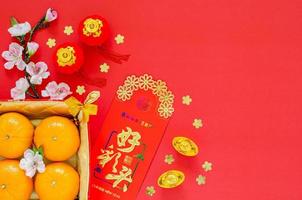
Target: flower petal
x: 17, y: 94
x: 29, y: 154
x: 23, y: 164
x: 45, y: 75
x: 9, y: 65
x: 35, y: 79
x: 30, y: 172
x: 16, y: 48
x: 22, y: 84
x: 44, y: 93
x: 7, y: 55
x: 19, y: 29
x: 21, y: 65
x: 41, y: 167
x: 30, y: 68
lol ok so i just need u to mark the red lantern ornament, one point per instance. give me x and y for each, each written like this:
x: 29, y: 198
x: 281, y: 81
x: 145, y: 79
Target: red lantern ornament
x: 68, y: 58
x: 94, y: 30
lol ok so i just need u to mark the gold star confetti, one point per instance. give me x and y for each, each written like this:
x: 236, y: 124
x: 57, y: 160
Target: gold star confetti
x: 119, y: 39
x: 80, y: 89
x: 197, y: 123
x: 68, y: 30
x: 207, y: 166
x: 104, y: 68
x: 201, y: 180
x: 186, y: 100
x: 51, y: 42
x: 169, y: 159
x: 150, y: 191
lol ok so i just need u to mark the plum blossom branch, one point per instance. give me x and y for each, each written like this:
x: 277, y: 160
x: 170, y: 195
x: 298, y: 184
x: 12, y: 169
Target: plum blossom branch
x: 19, y: 55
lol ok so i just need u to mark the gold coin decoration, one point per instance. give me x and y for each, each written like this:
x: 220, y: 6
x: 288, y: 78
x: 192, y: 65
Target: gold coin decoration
x: 66, y: 56
x: 92, y: 27
x: 185, y: 146
x: 171, y: 179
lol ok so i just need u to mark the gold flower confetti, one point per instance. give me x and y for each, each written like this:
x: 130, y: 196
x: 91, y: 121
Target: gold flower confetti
x: 159, y: 87
x: 119, y: 39
x: 68, y: 30
x: 51, y: 42
x: 104, y: 68
x: 186, y: 100
x: 124, y: 93
x: 145, y: 82
x: 169, y: 159
x: 80, y: 89
x: 167, y: 97
x: 207, y: 166
x: 197, y: 123
x: 165, y: 110
x: 150, y: 191
x: 132, y: 82
x: 201, y: 180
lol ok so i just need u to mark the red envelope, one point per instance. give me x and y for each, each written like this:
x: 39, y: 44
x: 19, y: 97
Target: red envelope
x: 129, y: 138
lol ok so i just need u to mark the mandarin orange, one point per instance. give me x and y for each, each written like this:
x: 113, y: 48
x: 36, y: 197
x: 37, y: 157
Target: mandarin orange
x: 16, y: 133
x: 59, y: 138
x: 59, y: 182
x: 14, y: 184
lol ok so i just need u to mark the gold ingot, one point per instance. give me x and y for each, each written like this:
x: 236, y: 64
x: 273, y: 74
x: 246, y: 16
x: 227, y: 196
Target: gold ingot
x: 92, y: 27
x: 185, y: 146
x: 66, y: 56
x: 171, y: 179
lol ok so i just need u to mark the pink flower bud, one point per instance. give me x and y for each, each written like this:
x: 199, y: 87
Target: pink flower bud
x: 51, y: 15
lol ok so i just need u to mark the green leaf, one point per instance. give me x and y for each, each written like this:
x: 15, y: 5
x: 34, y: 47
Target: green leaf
x: 39, y: 150
x: 13, y: 21
x: 140, y: 156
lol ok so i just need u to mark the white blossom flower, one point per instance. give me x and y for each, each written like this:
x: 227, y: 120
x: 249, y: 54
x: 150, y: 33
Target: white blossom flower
x: 14, y: 57
x: 56, y: 91
x: 19, y: 29
x: 18, y: 92
x: 38, y: 72
x: 32, y: 48
x: 51, y: 15
x: 31, y: 163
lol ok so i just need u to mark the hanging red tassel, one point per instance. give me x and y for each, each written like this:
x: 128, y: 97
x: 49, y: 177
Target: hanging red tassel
x: 113, y: 56
x: 98, y: 82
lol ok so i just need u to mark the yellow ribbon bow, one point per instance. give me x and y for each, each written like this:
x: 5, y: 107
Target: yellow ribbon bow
x: 83, y: 110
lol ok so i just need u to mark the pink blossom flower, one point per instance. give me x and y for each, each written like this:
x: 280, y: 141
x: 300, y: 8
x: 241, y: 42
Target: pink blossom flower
x: 14, y: 57
x: 31, y: 163
x: 56, y: 91
x: 51, y: 15
x: 32, y: 47
x: 18, y: 92
x: 19, y: 29
x: 38, y: 72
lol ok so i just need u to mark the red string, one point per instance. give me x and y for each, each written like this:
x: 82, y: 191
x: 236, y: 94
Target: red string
x: 98, y: 82
x: 113, y: 56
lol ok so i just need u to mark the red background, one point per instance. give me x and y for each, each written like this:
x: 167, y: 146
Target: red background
x: 240, y: 61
